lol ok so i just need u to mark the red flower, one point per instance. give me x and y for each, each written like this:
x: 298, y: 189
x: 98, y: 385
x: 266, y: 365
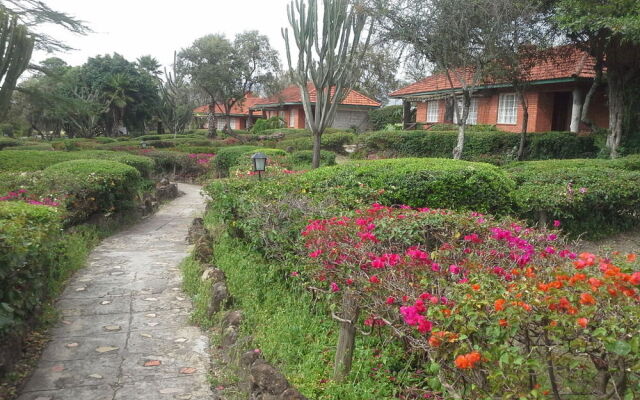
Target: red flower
x: 374, y: 279
x: 587, y: 299
x: 390, y: 300
x: 582, y: 322
x: 499, y: 304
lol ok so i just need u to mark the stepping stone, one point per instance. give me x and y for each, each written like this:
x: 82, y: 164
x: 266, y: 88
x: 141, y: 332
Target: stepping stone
x: 187, y: 370
x: 57, y: 368
x: 180, y: 340
x: 150, y: 299
x: 81, y: 289
x: 151, y: 315
x: 152, y: 324
x: 104, y: 303
x: 71, y: 345
x: 146, y: 335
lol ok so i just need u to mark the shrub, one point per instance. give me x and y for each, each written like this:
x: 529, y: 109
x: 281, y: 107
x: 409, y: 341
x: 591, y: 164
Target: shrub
x: 262, y: 124
x: 160, y: 144
x: 39, y: 147
x: 93, y: 186
x: 23, y: 161
x: 336, y: 141
x: 30, y: 244
x: 488, y: 305
x: 8, y: 142
x: 586, y: 195
x: 481, y: 144
x: 384, y: 116
x: 270, y: 213
x: 174, y: 163
x: 197, y: 149
x: 543, y: 146
x: 305, y: 157
x: 228, y: 157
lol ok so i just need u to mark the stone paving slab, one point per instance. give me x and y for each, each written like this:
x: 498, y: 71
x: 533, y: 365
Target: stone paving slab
x: 124, y: 332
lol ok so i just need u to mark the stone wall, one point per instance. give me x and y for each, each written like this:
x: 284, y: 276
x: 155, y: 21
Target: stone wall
x: 347, y: 118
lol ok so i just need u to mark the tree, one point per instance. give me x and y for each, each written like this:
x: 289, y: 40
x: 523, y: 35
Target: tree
x: 177, y: 104
x: 150, y: 65
x: 34, y: 13
x: 19, y: 20
x: 522, y: 41
x: 16, y: 46
x: 456, y: 36
x: 610, y: 31
x: 131, y: 93
x: 256, y: 64
x: 378, y: 77
x: 330, y: 56
x: 209, y: 63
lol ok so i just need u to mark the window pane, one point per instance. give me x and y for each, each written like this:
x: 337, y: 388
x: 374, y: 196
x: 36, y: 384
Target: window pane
x: 432, y: 111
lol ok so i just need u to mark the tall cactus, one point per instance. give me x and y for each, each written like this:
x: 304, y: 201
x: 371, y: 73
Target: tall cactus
x: 330, y: 49
x: 16, y: 47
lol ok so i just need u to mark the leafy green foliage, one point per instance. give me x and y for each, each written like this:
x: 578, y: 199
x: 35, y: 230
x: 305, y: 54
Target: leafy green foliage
x: 597, y: 197
x: 262, y: 124
x: 493, y: 146
x: 384, y: 116
x: 303, y: 158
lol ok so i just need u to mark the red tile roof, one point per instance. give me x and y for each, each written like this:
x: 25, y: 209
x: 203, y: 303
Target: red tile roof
x: 292, y: 95
x: 238, y: 109
x: 565, y: 62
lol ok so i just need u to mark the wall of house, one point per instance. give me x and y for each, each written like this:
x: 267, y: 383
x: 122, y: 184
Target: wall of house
x: 541, y: 103
x: 347, y: 118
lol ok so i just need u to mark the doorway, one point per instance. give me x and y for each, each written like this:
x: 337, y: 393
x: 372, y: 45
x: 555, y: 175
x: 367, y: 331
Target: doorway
x: 561, y: 118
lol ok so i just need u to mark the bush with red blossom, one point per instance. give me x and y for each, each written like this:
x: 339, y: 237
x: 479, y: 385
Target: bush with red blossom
x: 495, y: 308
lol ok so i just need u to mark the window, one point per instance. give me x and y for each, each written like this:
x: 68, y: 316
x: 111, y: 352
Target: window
x: 293, y: 115
x: 432, y: 111
x: 507, y: 109
x: 472, y: 118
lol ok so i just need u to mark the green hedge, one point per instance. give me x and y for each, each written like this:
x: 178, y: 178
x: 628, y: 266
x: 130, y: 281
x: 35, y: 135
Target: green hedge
x: 271, y: 213
x: 8, y: 142
x: 384, y: 116
x: 330, y: 141
x: 24, y: 161
x: 227, y: 157
x: 596, y: 197
x: 303, y: 158
x: 494, y: 146
x: 93, y: 186
x: 30, y: 246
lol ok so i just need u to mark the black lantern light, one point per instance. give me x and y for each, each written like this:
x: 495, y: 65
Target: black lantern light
x: 259, y: 163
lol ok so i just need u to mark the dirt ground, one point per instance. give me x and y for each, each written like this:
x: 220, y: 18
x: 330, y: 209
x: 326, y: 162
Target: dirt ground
x: 625, y: 243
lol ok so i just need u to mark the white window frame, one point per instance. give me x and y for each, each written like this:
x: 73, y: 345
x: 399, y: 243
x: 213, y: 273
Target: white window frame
x: 293, y: 115
x: 507, y: 109
x: 433, y: 111
x: 472, y: 118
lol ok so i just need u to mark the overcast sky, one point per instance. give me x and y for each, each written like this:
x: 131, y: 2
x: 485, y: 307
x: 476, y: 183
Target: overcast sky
x: 139, y: 27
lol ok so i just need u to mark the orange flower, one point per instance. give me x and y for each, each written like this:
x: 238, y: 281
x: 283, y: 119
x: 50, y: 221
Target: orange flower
x: 582, y: 322
x: 475, y: 287
x: 553, y: 323
x: 631, y: 257
x: 434, y: 341
x: 595, y: 282
x: 503, y: 323
x: 499, y: 304
x: 587, y: 299
x: 446, y: 312
x: 468, y: 361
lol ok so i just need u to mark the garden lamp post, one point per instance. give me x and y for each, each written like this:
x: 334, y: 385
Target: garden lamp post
x: 259, y: 163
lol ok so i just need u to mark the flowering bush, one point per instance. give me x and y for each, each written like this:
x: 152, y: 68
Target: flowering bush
x: 23, y: 195
x: 496, y: 308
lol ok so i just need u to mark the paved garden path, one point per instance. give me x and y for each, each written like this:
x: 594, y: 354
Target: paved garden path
x: 125, y: 333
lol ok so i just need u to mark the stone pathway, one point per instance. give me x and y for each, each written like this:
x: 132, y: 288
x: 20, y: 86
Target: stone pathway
x: 125, y: 333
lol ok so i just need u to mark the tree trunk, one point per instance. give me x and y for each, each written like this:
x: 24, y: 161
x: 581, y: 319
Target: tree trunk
x: 160, y: 128
x: 317, y: 136
x: 584, y: 118
x: 525, y: 125
x: 115, y: 129
x: 227, y: 125
x: 347, y: 337
x: 616, y: 111
x: 406, y: 114
x: 211, y: 120
x: 457, y: 151
x: 576, y: 110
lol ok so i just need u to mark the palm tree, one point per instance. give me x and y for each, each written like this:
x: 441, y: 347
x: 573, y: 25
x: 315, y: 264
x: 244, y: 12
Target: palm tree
x: 117, y: 93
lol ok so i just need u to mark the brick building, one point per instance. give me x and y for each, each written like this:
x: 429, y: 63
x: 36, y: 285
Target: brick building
x: 555, y: 95
x: 241, y: 117
x: 353, y: 111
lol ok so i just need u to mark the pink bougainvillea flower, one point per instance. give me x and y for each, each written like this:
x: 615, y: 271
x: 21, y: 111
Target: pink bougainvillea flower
x: 557, y: 223
x: 335, y: 287
x: 374, y: 279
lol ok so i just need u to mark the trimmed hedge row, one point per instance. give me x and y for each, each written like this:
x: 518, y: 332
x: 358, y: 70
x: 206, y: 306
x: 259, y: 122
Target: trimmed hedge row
x: 31, y: 160
x: 330, y: 141
x: 493, y: 146
x: 30, y: 246
x: 271, y: 213
x: 596, y: 197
